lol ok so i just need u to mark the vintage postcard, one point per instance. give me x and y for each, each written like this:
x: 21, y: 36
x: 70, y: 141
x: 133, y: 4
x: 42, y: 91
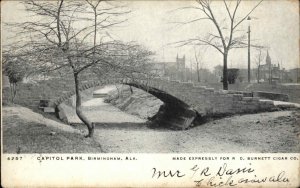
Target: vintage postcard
x: 202, y: 93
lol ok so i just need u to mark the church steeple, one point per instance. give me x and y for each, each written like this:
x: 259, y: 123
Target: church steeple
x: 268, y: 58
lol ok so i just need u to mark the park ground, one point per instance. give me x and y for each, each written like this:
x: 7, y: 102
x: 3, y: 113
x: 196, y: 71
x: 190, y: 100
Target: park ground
x: 25, y: 131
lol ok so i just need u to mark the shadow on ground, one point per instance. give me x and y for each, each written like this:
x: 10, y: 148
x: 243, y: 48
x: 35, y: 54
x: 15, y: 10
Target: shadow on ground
x: 115, y: 126
x: 30, y: 137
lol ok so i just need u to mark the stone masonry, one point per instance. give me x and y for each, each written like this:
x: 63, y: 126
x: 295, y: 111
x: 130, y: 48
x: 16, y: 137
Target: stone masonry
x: 206, y: 101
x: 183, y: 102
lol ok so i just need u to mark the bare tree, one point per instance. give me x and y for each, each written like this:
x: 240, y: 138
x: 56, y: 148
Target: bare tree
x: 16, y: 70
x: 72, y: 36
x: 198, y: 54
x: 197, y: 64
x: 137, y: 65
x: 134, y: 65
x: 225, y: 38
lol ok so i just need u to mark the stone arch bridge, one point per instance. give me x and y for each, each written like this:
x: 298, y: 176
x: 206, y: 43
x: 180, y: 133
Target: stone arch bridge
x: 186, y: 102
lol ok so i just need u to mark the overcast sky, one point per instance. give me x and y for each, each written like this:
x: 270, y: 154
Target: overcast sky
x: 275, y: 24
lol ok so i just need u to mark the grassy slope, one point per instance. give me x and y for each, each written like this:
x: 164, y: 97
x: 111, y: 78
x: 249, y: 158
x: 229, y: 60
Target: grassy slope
x: 20, y: 135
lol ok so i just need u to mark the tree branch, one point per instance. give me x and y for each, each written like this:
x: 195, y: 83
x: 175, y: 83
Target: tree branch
x: 239, y: 22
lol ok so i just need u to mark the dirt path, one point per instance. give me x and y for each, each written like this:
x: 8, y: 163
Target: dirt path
x: 28, y: 132
x: 97, y: 111
x: 265, y: 132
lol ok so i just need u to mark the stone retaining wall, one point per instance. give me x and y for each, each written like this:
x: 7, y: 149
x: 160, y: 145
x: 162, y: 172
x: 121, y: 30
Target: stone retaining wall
x: 271, y: 96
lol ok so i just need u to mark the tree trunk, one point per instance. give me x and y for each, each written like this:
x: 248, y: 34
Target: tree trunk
x: 11, y: 92
x: 131, y: 89
x: 79, y: 112
x: 225, y: 74
x: 198, y: 73
x: 258, y: 74
x: 118, y: 91
x: 15, y: 91
x: 270, y: 74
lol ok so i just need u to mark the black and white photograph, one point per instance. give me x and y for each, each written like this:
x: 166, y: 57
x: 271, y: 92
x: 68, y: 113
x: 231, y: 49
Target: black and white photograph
x: 151, y: 77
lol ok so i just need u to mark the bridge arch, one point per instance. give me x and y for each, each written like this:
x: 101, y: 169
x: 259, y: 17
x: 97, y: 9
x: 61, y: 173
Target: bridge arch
x: 184, y: 101
x: 174, y: 113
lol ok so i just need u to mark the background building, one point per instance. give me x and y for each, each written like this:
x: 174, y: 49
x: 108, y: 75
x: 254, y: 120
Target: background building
x: 180, y: 68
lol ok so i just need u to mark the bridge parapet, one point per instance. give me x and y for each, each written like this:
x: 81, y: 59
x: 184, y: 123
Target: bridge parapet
x: 210, y: 101
x: 206, y: 101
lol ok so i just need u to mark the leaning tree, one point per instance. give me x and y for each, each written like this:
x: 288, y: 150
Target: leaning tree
x: 71, y: 36
x: 226, y: 35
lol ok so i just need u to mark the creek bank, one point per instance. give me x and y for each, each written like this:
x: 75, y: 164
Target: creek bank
x: 137, y: 102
